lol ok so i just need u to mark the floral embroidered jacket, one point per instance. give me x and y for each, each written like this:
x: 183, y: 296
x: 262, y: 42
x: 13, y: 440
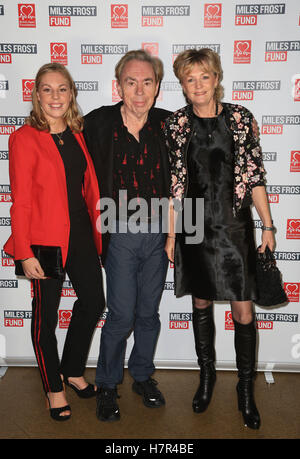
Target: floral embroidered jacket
x: 248, y: 170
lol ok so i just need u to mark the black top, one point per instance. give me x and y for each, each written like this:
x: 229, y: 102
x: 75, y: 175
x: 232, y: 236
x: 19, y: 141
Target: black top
x: 136, y: 164
x: 75, y: 166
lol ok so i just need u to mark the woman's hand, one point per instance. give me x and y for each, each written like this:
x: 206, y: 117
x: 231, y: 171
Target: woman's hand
x: 170, y: 247
x: 267, y: 239
x: 32, y: 269
x: 261, y: 204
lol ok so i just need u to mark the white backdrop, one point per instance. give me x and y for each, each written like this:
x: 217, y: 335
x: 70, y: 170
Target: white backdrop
x: 259, y: 44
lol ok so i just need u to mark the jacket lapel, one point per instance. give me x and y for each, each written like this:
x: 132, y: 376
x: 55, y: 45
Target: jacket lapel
x: 103, y: 151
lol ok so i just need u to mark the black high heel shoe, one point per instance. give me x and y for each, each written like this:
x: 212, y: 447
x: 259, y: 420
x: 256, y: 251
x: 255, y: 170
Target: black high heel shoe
x: 246, y: 404
x: 55, y: 413
x: 204, y: 333
x: 245, y: 345
x: 87, y: 392
x: 204, y: 392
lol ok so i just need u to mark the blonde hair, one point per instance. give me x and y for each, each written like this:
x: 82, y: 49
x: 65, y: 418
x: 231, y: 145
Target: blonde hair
x: 72, y: 116
x: 205, y: 57
x: 144, y: 56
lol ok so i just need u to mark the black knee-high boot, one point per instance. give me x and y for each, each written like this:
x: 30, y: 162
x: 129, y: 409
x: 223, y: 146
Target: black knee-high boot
x: 245, y: 347
x: 204, y: 333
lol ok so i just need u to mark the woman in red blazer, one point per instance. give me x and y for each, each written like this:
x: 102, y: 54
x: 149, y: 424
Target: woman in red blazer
x: 55, y: 202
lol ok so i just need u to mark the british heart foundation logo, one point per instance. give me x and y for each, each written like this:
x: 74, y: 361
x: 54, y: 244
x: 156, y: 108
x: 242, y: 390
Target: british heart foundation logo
x: 242, y: 52
x: 295, y: 161
x: 297, y: 90
x: 27, y: 87
x: 26, y: 13
x: 64, y: 318
x: 119, y: 16
x: 293, y: 228
x: 229, y: 325
x: 114, y: 92
x: 59, y: 53
x: 292, y: 291
x: 151, y: 48
x: 212, y: 14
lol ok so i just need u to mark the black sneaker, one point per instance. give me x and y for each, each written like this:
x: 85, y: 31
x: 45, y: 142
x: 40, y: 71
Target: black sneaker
x: 152, y: 397
x: 107, y: 407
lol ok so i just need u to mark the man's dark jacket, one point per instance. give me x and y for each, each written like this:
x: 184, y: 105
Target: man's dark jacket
x: 98, y: 133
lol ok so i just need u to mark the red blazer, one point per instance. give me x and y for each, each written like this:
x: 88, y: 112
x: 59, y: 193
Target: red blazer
x: 39, y: 211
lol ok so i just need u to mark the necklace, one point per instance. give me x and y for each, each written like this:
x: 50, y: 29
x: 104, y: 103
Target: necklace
x: 213, y: 125
x: 59, y: 136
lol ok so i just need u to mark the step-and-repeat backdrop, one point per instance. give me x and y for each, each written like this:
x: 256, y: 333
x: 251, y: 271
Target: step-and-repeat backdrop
x: 259, y: 44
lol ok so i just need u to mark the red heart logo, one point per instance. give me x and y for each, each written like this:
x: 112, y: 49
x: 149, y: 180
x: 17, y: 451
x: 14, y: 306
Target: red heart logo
x: 29, y: 85
x: 294, y: 225
x: 119, y: 11
x: 291, y: 288
x: 59, y: 49
x: 26, y: 11
x: 242, y: 47
x: 66, y: 315
x: 296, y: 156
x: 151, y: 48
x: 213, y: 10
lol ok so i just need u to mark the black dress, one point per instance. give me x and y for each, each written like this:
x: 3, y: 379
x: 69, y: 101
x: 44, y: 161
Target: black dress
x: 222, y: 266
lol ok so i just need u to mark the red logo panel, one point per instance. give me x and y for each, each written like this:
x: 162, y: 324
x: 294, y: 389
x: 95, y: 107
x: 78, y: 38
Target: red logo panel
x: 119, y: 16
x: 26, y: 13
x: 27, y: 87
x: 151, y: 48
x: 242, y: 52
x: 64, y: 318
x: 292, y: 290
x: 247, y: 20
x: 59, y: 53
x: 295, y: 161
x: 114, y: 92
x: 276, y: 56
x: 273, y: 198
x: 229, y: 325
x: 59, y: 21
x: 293, y: 228
x: 297, y: 90
x: 212, y: 14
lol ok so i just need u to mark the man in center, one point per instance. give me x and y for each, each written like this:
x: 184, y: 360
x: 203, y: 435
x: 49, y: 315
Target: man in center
x: 128, y: 148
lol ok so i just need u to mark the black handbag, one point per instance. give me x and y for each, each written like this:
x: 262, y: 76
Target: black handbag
x: 268, y: 280
x: 50, y: 259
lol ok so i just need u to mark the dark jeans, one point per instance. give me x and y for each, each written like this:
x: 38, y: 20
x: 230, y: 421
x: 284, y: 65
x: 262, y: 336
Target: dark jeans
x: 136, y: 268
x: 84, y: 271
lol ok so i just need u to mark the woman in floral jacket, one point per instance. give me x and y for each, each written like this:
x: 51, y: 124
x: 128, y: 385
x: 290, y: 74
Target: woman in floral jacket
x: 215, y: 156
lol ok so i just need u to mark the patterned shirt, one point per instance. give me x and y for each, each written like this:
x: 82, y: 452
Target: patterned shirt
x: 136, y: 165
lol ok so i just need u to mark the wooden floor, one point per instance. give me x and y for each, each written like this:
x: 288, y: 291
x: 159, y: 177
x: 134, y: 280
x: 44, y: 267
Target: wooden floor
x: 23, y: 414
